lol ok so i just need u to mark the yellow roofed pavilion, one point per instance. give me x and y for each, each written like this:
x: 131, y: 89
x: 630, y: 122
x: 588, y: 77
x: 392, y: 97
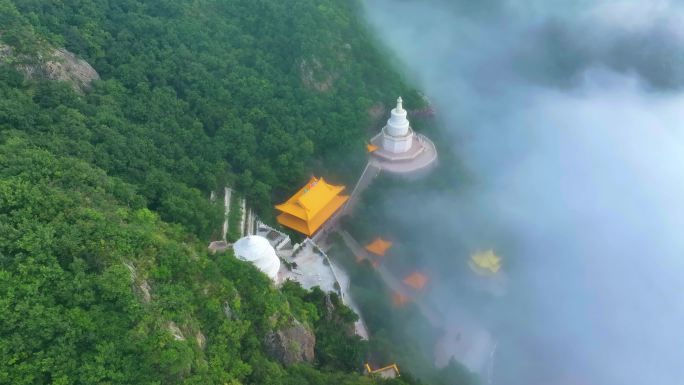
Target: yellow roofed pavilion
x: 311, y: 206
x: 388, y: 372
x: 485, y: 263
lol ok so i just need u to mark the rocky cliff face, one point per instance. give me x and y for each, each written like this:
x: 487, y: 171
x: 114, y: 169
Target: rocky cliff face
x: 65, y: 66
x: 314, y: 76
x: 291, y: 344
x: 60, y: 65
x: 331, y: 314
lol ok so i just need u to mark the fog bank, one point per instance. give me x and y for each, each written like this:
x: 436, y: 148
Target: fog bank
x: 571, y: 120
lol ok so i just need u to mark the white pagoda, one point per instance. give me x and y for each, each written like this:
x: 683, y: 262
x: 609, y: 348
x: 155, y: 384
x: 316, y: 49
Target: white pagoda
x: 397, y: 135
x: 398, y: 149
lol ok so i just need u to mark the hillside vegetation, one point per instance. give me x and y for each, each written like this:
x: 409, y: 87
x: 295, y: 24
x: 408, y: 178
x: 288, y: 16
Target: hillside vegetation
x: 104, y: 209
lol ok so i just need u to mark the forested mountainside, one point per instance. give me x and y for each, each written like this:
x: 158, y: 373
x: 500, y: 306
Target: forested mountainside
x: 105, y: 177
x: 194, y: 94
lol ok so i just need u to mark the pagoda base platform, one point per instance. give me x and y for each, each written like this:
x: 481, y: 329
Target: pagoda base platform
x: 420, y: 157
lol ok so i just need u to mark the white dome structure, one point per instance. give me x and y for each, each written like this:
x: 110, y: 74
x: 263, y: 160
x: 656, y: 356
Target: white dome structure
x: 258, y: 251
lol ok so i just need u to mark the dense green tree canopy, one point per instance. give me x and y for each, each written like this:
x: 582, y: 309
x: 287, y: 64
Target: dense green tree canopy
x: 104, y: 193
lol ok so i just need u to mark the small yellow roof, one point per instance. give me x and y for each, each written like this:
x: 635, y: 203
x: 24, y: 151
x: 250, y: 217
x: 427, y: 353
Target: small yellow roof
x: 379, y: 246
x: 389, y: 371
x: 486, y: 262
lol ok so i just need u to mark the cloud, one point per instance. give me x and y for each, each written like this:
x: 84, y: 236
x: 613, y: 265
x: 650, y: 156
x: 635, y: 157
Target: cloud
x: 572, y: 120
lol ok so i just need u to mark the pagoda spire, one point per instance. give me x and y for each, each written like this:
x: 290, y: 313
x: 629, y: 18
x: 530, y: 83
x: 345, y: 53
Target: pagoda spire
x: 400, y: 107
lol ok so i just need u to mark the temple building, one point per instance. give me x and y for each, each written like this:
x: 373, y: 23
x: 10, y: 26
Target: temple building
x: 399, y: 299
x: 379, y: 247
x: 311, y: 206
x: 416, y: 280
x: 397, y: 148
x: 387, y: 373
x: 485, y: 263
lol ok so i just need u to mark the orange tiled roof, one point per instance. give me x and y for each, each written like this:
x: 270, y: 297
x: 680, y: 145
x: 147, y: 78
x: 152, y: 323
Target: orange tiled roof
x: 379, y: 246
x: 371, y: 147
x: 399, y: 299
x: 416, y: 280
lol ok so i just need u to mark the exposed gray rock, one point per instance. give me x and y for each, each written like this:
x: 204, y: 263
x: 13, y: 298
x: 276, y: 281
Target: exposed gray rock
x: 5, y: 51
x: 59, y: 64
x: 292, y: 344
x: 329, y: 307
x: 65, y: 66
x: 314, y: 76
x: 145, y: 291
x: 143, y: 288
x: 227, y: 310
x: 201, y: 339
x: 175, y: 331
x: 132, y: 269
x: 332, y: 315
x: 218, y: 246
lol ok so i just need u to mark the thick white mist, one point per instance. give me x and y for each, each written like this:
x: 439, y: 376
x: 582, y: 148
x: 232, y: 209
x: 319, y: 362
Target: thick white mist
x: 572, y: 121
